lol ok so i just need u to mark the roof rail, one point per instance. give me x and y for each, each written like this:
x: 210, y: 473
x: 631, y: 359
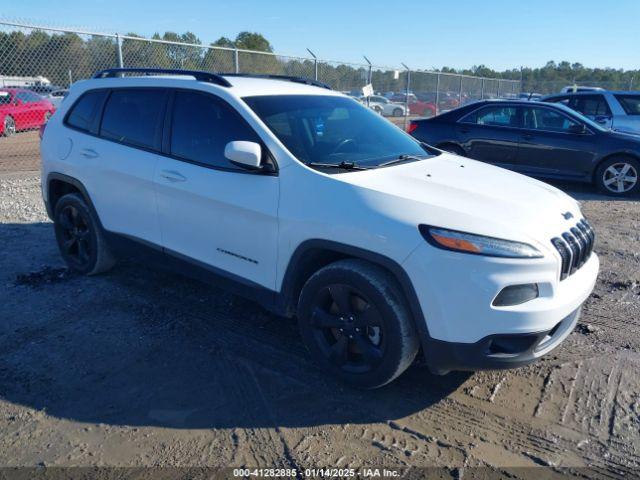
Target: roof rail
x: 217, y: 78
x: 198, y: 75
x: 291, y: 78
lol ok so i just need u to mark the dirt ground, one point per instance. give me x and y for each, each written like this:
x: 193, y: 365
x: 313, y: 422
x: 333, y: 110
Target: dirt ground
x: 144, y: 368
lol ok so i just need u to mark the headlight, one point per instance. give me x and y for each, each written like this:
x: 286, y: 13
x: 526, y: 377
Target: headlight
x: 477, y: 244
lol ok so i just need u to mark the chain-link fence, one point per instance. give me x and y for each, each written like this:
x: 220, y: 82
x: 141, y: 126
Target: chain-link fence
x: 39, y: 63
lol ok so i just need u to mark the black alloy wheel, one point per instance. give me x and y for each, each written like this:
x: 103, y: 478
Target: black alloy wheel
x: 75, y: 237
x: 348, y: 328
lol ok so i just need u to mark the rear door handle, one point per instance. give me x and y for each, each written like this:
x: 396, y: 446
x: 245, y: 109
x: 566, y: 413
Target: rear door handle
x: 173, y: 176
x: 89, y: 153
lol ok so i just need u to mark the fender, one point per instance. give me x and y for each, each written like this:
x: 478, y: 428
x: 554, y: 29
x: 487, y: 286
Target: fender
x: 71, y: 181
x: 291, y: 282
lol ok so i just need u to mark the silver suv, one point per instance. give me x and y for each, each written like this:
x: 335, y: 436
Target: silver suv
x: 615, y: 110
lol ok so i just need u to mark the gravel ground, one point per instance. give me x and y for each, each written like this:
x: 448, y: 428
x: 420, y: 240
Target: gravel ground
x: 144, y: 368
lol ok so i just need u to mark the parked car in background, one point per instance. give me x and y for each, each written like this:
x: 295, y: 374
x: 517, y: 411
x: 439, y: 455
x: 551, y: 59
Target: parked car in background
x: 384, y: 106
x: 416, y: 106
x: 576, y: 88
x: 529, y: 96
x: 538, y: 139
x: 616, y: 110
x: 57, y: 96
x: 22, y: 109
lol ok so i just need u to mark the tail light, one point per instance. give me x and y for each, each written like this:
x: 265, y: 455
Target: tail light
x: 412, y: 127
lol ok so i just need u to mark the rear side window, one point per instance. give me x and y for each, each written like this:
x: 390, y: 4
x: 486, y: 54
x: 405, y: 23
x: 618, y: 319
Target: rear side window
x: 5, y: 98
x: 494, y: 116
x: 82, y: 113
x: 133, y: 116
x: 630, y: 103
x: 201, y: 127
x: 591, y: 105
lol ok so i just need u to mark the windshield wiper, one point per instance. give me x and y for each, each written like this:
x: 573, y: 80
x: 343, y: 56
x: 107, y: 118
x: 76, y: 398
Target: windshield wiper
x: 342, y: 165
x: 402, y: 158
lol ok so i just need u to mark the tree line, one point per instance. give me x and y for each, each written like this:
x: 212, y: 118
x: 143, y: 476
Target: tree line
x: 67, y: 57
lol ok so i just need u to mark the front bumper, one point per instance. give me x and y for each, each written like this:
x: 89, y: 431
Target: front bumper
x: 498, y: 351
x: 462, y: 329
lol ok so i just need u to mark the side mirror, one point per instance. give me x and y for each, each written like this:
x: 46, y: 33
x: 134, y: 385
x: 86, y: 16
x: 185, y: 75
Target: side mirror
x: 601, y: 119
x: 18, y: 102
x: 244, y: 154
x: 578, y: 128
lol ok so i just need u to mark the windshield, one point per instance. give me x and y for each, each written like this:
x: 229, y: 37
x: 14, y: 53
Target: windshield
x: 334, y: 130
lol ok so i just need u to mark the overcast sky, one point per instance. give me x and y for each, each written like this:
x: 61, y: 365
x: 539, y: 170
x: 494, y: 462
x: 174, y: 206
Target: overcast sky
x: 420, y: 33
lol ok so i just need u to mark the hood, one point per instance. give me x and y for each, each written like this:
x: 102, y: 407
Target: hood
x: 627, y: 136
x: 462, y: 194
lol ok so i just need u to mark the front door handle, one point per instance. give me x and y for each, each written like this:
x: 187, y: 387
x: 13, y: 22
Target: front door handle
x: 89, y: 153
x: 173, y: 176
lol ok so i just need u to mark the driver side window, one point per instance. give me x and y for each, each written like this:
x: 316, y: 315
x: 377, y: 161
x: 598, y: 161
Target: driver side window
x: 201, y: 127
x: 547, y: 120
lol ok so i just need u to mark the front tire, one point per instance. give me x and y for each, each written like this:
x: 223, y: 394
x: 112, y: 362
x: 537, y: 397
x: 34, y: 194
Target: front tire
x: 80, y: 239
x: 397, y: 112
x: 618, y: 176
x: 355, y: 323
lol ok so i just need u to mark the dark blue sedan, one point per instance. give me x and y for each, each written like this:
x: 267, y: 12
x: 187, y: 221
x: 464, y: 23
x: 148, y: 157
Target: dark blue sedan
x: 538, y: 139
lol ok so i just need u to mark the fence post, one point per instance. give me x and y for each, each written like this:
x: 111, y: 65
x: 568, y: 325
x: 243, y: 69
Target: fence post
x: 437, y: 94
x: 119, y: 50
x: 315, y: 64
x: 460, y: 92
x: 236, y: 60
x: 406, y: 97
x: 482, y: 90
x: 498, y: 90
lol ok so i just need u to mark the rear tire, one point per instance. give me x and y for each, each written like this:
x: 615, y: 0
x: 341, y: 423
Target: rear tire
x: 80, y: 238
x: 618, y: 176
x: 9, y: 127
x: 355, y: 323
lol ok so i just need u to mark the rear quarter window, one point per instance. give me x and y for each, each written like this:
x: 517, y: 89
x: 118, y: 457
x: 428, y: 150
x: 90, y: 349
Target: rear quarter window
x: 82, y: 113
x: 630, y: 103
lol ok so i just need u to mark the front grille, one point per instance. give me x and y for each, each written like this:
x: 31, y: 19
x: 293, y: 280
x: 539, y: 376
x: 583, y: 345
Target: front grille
x: 574, y: 247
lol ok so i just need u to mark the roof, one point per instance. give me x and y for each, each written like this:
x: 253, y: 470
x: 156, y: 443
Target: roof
x: 250, y: 86
x: 594, y: 92
x: 240, y: 85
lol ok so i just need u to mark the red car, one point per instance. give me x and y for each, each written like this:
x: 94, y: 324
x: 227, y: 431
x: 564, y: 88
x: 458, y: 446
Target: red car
x: 22, y: 109
x: 416, y: 106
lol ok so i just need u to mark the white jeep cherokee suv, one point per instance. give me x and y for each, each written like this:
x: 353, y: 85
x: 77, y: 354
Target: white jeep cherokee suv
x: 308, y: 202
